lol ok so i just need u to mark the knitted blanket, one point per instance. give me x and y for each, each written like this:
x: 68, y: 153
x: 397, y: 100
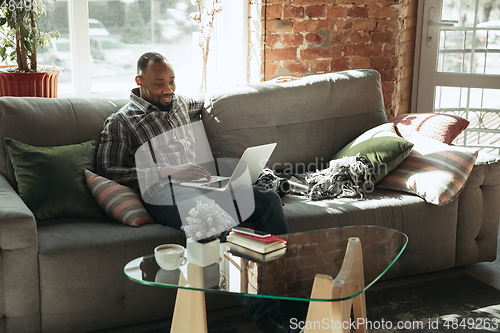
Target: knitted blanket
x: 345, y: 177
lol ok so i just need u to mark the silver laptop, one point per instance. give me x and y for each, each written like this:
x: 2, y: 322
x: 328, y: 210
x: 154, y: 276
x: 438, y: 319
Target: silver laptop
x: 246, y: 172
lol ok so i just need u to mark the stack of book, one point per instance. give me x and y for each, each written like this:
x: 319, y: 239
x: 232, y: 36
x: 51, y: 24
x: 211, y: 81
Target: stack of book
x: 255, y: 248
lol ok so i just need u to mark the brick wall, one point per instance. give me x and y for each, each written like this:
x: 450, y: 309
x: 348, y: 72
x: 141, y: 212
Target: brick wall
x: 304, y: 37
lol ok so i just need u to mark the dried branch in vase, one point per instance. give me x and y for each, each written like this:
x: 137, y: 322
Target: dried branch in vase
x: 204, y: 18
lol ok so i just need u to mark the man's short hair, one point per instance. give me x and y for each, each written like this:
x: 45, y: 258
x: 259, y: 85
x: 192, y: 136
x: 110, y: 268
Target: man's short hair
x: 143, y: 61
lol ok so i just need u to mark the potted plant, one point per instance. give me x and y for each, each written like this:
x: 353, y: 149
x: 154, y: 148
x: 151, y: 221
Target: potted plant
x: 203, y: 227
x: 20, y: 36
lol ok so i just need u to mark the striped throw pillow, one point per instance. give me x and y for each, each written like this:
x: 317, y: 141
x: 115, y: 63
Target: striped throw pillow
x: 434, y: 171
x: 119, y: 202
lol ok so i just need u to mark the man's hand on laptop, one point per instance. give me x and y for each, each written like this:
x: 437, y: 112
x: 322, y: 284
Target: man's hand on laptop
x: 188, y: 171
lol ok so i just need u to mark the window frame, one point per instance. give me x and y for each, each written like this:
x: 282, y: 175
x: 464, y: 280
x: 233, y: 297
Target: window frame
x: 220, y: 75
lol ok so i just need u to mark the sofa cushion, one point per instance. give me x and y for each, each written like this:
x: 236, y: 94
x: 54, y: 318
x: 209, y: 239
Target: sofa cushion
x: 442, y: 127
x: 49, y: 122
x: 434, y: 171
x: 81, y: 265
x: 381, y: 146
x: 119, y: 202
x: 310, y: 119
x: 51, y: 181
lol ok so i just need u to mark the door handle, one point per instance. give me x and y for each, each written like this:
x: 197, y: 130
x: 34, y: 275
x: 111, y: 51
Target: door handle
x: 432, y: 15
x: 444, y: 23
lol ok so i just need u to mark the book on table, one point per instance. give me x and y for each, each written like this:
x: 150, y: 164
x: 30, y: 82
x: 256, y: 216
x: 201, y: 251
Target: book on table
x: 260, y: 245
x: 243, y: 252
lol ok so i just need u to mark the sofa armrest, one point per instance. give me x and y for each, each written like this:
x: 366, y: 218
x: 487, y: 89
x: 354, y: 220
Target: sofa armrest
x: 19, y: 282
x: 479, y: 212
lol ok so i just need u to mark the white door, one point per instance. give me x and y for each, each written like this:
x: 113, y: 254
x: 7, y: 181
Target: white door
x: 459, y: 67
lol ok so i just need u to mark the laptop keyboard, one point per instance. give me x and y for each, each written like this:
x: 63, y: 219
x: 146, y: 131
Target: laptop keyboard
x: 219, y: 184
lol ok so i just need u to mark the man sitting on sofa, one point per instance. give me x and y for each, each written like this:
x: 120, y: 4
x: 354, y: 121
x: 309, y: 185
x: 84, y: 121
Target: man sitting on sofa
x: 154, y: 109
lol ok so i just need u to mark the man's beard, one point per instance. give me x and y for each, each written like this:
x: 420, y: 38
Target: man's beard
x: 167, y: 107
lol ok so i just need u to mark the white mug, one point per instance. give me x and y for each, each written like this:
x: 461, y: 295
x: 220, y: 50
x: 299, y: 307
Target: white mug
x: 170, y: 256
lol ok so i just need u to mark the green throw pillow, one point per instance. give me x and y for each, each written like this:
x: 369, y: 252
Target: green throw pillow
x: 382, y: 147
x: 51, y: 180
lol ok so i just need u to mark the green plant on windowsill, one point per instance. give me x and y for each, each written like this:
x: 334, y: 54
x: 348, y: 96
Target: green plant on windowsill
x: 20, y: 33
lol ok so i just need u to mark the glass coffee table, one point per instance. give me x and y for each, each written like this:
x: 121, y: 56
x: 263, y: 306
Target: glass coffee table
x: 330, y: 268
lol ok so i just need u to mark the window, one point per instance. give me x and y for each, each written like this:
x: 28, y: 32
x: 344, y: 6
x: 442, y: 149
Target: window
x: 458, y: 71
x: 101, y: 41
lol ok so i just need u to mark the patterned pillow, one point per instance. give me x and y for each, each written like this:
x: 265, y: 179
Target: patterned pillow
x: 442, y: 127
x: 433, y: 170
x: 118, y: 201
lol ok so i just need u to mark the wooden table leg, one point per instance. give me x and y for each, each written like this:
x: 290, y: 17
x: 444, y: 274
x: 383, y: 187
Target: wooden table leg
x: 335, y: 317
x: 190, y: 315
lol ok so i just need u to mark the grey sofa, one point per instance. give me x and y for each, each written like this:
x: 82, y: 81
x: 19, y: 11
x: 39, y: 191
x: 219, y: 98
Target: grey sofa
x: 66, y: 275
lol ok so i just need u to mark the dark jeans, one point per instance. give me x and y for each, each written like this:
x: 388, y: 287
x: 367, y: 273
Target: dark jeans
x: 267, y: 216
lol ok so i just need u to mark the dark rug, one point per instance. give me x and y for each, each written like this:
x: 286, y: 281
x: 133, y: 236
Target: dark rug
x: 455, y: 304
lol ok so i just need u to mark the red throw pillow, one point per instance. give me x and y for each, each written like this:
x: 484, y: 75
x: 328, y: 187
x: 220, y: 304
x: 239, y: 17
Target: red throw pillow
x: 438, y: 126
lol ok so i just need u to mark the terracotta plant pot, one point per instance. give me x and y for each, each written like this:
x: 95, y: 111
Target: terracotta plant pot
x: 42, y: 84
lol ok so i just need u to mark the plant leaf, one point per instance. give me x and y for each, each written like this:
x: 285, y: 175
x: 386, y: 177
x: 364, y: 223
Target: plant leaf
x: 24, y: 31
x: 27, y: 45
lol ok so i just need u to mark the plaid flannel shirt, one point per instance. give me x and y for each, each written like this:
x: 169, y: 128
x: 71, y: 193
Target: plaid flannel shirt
x: 135, y: 128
